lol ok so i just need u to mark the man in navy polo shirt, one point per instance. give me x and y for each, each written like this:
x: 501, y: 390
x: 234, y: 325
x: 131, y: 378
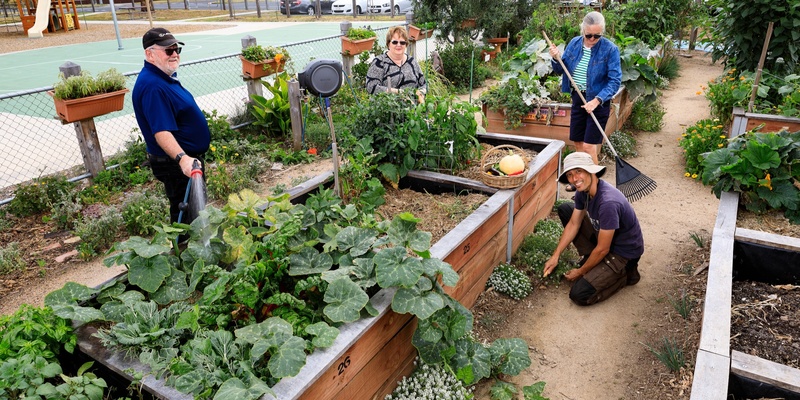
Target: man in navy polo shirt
x: 173, y: 126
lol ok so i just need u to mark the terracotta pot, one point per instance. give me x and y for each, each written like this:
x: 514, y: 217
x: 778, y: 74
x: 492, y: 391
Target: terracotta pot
x: 416, y: 33
x: 469, y: 23
x: 261, y: 69
x: 497, y: 41
x: 356, y: 47
x: 88, y: 107
x: 487, y: 56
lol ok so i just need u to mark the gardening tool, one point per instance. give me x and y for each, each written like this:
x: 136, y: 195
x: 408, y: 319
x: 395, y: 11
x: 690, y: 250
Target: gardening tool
x: 752, y: 102
x: 195, y: 188
x: 632, y: 183
x: 334, y: 149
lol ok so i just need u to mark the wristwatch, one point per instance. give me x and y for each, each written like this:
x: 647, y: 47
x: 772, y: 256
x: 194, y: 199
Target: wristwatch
x: 599, y: 99
x: 179, y: 156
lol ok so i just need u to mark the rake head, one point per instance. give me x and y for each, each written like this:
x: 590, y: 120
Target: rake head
x: 632, y: 183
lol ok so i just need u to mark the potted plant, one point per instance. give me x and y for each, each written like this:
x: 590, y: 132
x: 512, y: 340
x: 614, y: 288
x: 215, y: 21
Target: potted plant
x: 357, y: 40
x: 423, y: 31
x: 259, y: 61
x: 82, y: 96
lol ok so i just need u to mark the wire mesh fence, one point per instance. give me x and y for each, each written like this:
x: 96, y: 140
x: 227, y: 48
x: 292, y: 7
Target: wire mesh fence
x: 36, y: 144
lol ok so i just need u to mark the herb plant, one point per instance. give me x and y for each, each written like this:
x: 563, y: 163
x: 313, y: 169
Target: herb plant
x: 85, y: 85
x: 762, y: 168
x: 537, y: 248
x: 647, y: 116
x: 257, y: 53
x: 359, y: 33
x: 430, y: 382
x: 40, y: 195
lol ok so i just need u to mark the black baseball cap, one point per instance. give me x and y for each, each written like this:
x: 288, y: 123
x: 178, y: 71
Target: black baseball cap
x: 159, y: 36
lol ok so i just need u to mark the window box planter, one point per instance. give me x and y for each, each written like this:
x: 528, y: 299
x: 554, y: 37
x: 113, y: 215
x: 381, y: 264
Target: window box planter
x: 371, y: 354
x: 88, y: 107
x: 416, y: 33
x: 720, y: 371
x: 356, y: 47
x: 552, y: 120
x: 255, y: 70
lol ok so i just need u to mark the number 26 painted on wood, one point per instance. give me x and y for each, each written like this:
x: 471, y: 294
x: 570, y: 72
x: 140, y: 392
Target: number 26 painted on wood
x: 344, y: 364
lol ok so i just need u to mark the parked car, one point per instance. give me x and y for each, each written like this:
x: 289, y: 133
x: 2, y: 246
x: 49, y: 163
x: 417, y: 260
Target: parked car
x: 306, y: 6
x: 346, y: 6
x: 385, y: 6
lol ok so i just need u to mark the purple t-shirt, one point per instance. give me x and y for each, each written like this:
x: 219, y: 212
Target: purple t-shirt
x: 610, y: 210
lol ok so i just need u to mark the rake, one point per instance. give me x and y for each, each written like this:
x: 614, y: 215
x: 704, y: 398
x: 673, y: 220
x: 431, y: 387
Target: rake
x: 632, y: 183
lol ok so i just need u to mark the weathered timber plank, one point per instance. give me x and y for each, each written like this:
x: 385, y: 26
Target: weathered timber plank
x: 452, y: 180
x: 472, y: 276
x: 468, y: 237
x: 716, y: 328
x: 355, y: 358
x: 772, y: 123
x: 711, y: 374
x: 525, y: 219
x: 766, y: 371
x: 293, y: 387
x: 767, y: 239
x: 407, y: 367
x: 382, y: 367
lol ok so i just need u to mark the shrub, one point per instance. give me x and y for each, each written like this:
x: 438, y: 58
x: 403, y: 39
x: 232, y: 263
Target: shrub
x: 462, y: 65
x: 647, y: 116
x: 40, y: 195
x: 224, y: 179
x: 10, y: 258
x: 98, y: 234
x: 66, y: 213
x: 510, y: 281
x: 141, y: 211
x: 624, y: 143
x: 726, y: 92
x: 669, y: 66
x: 537, y: 248
x: 705, y: 136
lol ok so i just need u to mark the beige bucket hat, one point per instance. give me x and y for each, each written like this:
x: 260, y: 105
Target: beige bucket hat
x: 583, y: 161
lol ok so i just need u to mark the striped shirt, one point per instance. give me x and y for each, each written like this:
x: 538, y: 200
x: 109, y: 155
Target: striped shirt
x: 582, y: 68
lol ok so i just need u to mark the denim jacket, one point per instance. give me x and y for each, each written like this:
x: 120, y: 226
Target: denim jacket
x: 604, y: 72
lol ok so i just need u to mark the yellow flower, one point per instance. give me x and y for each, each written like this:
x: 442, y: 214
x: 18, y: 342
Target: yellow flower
x: 137, y: 167
x: 766, y: 182
x: 722, y: 136
x: 278, y: 57
x: 236, y: 154
x: 213, y: 149
x: 684, y: 135
x: 694, y: 176
x: 741, y: 78
x: 730, y: 72
x: 719, y: 127
x: 699, y: 93
x: 687, y: 174
x: 720, y: 145
x: 221, y: 162
x: 224, y: 147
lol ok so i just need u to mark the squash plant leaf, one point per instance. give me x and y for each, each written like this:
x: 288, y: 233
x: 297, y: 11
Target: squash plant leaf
x: 403, y: 232
x: 761, y: 156
x: 781, y: 194
x: 240, y: 244
x: 431, y: 352
x: 289, y: 358
x: 357, y: 241
x: 77, y: 313
x: 309, y: 261
x: 394, y: 268
x: 245, y: 202
x: 417, y: 300
x: 142, y: 247
x: 474, y: 356
x: 70, y: 293
x: 324, y: 334
x: 345, y: 300
x: 173, y: 289
x: 503, y: 391
x: 149, y: 273
x: 434, y: 266
x: 511, y: 355
x: 534, y: 392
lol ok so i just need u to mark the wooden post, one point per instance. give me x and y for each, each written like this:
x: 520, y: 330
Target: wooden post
x: 86, y: 131
x: 254, y: 86
x: 348, y: 60
x: 295, y: 95
x: 355, y: 9
x: 412, y: 44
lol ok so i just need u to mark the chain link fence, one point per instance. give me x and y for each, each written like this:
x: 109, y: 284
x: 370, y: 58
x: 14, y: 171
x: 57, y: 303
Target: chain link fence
x: 36, y: 144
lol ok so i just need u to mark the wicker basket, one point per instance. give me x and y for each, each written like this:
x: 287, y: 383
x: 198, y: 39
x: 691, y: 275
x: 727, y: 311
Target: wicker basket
x: 494, y: 155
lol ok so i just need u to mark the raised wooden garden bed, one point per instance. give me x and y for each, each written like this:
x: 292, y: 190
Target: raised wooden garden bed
x: 372, y: 354
x: 745, y: 121
x: 552, y: 122
x: 716, y: 366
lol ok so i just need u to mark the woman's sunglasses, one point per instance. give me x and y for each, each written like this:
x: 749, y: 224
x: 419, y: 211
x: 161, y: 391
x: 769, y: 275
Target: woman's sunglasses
x: 400, y: 42
x: 594, y: 36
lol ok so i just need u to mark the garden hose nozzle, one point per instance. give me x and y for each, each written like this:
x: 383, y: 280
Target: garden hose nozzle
x: 196, y: 169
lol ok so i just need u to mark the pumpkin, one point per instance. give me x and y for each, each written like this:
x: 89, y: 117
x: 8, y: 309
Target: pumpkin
x: 512, y: 164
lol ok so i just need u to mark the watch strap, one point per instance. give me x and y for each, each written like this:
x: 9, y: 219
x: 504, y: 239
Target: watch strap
x: 179, y: 156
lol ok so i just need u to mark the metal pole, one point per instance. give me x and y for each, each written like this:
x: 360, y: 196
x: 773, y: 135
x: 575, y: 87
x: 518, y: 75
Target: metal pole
x: 116, y: 25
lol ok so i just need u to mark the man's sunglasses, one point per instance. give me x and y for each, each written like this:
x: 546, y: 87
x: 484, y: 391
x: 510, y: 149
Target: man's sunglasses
x: 594, y: 36
x: 400, y: 42
x: 172, y: 50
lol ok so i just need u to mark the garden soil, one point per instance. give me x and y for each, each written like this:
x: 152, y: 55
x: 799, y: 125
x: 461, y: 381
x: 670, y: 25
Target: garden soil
x: 582, y: 353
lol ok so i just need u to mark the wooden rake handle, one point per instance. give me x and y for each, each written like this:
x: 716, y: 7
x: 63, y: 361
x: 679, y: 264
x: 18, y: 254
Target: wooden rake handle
x: 578, y: 91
